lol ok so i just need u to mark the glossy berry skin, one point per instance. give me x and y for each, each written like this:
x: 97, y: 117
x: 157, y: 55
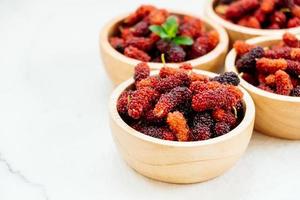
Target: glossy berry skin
x: 170, y: 100
x: 141, y: 29
x: 178, y: 125
x: 228, y: 78
x: 247, y: 63
x: 240, y: 8
x: 141, y: 71
x: 291, y: 40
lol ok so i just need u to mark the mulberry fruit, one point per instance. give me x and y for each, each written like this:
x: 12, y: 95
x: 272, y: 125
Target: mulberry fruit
x: 247, y: 63
x: 155, y: 131
x: 170, y: 82
x: 176, y: 54
x: 221, y: 128
x: 141, y: 43
x: 200, y: 132
x: 265, y: 88
x: 267, y: 6
x: 228, y: 78
x: 163, y: 45
x: 204, y: 119
x: 290, y: 40
x: 158, y: 16
x: 220, y: 115
x: 170, y: 100
x: 226, y: 97
x: 141, y: 29
x: 283, y: 52
x: 135, y: 53
x: 249, y: 21
x: 178, y: 125
x: 151, y: 81
x: 140, y: 100
x: 293, y: 22
x: 293, y: 67
x: 117, y: 43
x: 278, y: 18
x: 267, y: 65
x: 191, y: 27
x: 141, y: 71
x: 139, y: 14
x: 240, y: 8
x: 284, y: 84
x: 122, y: 103
x: 242, y: 47
x: 296, y: 92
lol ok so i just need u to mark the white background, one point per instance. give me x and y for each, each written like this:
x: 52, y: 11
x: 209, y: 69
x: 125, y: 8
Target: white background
x: 55, y: 141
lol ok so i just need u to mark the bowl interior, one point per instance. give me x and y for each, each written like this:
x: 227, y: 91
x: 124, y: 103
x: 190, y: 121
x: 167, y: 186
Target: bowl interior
x: 243, y: 29
x: 264, y: 41
x: 249, y: 112
x: 112, y: 28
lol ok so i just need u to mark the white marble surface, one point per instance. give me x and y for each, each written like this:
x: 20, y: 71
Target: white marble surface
x: 55, y: 141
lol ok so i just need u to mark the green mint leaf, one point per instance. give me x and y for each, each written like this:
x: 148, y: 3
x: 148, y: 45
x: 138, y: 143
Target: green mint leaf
x: 171, y: 26
x: 183, y: 40
x: 158, y: 30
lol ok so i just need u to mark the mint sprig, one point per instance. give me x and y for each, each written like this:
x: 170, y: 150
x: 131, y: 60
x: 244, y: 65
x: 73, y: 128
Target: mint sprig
x: 169, y: 30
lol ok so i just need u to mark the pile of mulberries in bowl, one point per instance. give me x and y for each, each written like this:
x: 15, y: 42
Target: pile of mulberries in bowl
x: 274, y: 69
x: 260, y: 14
x: 150, y: 32
x: 179, y: 104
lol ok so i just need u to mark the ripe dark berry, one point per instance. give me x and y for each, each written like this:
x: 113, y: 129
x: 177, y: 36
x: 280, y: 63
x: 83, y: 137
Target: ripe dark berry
x: 175, y: 54
x: 247, y: 62
x: 228, y: 78
x: 296, y: 92
x: 170, y: 100
x: 122, y: 104
x: 141, y: 71
x: 221, y: 128
x: 141, y: 29
x: 163, y: 45
x: 117, y: 43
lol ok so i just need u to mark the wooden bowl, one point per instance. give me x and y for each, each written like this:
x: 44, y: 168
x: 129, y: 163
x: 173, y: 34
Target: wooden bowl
x: 180, y: 162
x: 237, y: 32
x: 120, y: 67
x: 276, y: 115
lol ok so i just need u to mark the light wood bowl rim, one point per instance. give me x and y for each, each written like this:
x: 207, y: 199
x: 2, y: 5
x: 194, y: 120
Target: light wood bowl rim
x: 230, y: 66
x: 244, y: 124
x: 242, y: 29
x: 212, y: 55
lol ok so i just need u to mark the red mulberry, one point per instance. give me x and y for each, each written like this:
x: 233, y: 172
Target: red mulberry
x: 278, y: 18
x: 293, y: 22
x: 170, y: 82
x: 283, y: 52
x: 155, y: 131
x: 151, y: 81
x: 220, y: 115
x: 267, y: 6
x: 267, y: 65
x: 191, y: 27
x: 170, y: 100
x: 249, y: 21
x: 226, y: 97
x: 122, y: 104
x: 135, y: 53
x: 141, y: 43
x: 141, y: 71
x: 117, y: 43
x: 158, y: 16
x: 178, y: 125
x: 242, y: 47
x: 284, y: 84
x: 139, y: 101
x: 240, y: 8
x: 290, y: 40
